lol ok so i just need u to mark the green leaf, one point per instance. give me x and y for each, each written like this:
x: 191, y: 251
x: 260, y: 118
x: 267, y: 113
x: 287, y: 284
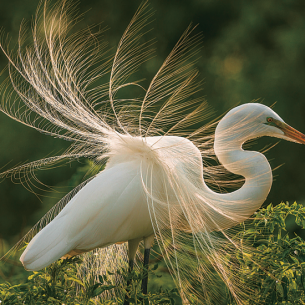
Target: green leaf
x: 99, y: 290
x: 155, y: 267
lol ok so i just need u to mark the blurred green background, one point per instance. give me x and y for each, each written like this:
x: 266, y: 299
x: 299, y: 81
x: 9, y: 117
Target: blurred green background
x: 252, y: 50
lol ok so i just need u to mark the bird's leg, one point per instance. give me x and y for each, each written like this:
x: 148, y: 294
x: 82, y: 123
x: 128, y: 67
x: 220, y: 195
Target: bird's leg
x: 148, y: 241
x: 145, y: 265
x: 132, y: 249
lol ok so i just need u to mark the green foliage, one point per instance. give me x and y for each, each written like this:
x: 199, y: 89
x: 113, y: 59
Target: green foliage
x: 278, y: 274
x: 134, y: 293
x: 59, y: 284
x: 53, y: 285
x: 274, y: 270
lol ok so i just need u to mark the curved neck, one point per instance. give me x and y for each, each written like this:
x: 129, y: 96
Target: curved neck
x: 239, y: 205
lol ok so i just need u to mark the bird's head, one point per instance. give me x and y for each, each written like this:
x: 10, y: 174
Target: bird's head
x: 253, y: 120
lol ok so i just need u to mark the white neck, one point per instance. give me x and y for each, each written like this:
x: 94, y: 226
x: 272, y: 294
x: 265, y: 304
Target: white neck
x: 239, y: 205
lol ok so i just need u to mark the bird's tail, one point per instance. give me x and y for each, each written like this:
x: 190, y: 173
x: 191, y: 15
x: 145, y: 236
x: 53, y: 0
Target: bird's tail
x: 43, y: 248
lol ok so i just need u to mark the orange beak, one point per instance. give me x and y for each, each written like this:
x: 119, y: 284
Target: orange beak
x: 291, y: 133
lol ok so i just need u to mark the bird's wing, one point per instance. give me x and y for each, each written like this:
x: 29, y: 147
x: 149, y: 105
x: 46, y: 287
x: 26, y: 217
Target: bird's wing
x: 110, y: 208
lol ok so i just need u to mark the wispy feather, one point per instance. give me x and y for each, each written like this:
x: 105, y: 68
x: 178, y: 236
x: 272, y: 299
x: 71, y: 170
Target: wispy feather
x: 58, y: 87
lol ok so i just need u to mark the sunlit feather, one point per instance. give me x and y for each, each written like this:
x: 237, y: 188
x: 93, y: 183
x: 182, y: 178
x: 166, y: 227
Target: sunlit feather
x: 155, y: 159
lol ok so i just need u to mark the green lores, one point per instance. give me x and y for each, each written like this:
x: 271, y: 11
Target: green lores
x: 290, y: 132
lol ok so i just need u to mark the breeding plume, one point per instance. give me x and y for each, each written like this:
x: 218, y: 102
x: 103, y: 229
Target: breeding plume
x: 157, y: 165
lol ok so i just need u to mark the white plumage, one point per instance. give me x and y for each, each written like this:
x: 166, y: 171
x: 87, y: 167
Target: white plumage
x: 152, y: 185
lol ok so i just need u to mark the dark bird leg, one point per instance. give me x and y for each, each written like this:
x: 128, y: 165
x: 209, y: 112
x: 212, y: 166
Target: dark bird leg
x: 148, y: 241
x: 132, y: 249
x: 145, y: 265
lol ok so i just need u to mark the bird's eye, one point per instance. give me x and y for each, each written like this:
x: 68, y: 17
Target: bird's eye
x: 269, y: 120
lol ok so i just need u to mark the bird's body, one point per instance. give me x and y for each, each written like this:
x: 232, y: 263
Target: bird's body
x: 154, y: 182
x: 99, y: 215
x: 94, y: 218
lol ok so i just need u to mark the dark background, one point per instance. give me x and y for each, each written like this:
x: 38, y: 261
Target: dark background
x: 252, y: 50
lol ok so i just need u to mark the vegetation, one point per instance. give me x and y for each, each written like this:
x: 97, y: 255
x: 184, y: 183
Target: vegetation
x: 59, y: 284
x: 252, y: 49
x: 278, y: 274
x: 275, y: 271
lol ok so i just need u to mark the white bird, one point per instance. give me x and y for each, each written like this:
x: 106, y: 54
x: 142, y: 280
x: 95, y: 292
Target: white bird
x: 152, y: 185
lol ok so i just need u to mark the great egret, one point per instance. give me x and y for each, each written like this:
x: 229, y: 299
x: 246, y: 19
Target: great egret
x: 152, y: 186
